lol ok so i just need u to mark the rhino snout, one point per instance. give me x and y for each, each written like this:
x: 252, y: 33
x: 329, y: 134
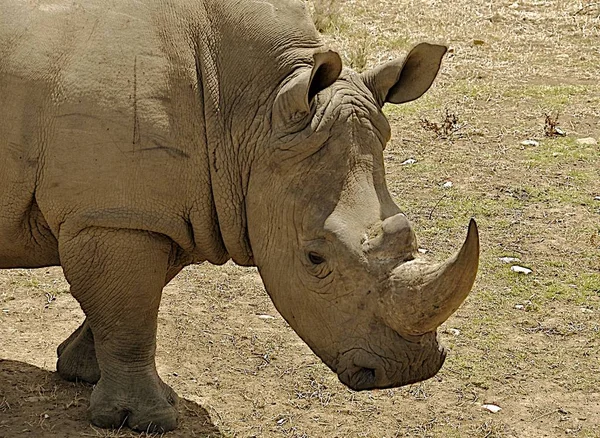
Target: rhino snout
x: 360, y: 369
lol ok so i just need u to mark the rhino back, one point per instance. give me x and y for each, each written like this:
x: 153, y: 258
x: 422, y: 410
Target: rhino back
x: 102, y: 121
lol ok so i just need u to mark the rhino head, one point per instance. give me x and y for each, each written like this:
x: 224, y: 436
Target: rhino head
x: 336, y: 255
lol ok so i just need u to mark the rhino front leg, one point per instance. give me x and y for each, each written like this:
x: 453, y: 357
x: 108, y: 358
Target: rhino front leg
x: 77, y: 354
x: 117, y: 276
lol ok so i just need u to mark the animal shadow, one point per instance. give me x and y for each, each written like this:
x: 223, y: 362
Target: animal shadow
x: 38, y: 403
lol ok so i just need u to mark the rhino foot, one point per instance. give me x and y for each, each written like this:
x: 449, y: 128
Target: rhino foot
x: 77, y: 356
x: 142, y: 406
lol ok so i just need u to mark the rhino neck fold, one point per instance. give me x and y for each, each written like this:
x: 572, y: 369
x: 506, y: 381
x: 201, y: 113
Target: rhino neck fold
x: 238, y: 77
x: 225, y: 178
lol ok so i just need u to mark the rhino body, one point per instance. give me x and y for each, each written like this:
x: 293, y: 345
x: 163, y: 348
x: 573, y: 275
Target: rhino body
x: 138, y: 137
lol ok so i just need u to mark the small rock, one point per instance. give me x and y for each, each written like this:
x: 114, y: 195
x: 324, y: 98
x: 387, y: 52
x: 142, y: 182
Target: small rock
x: 175, y: 374
x: 588, y: 141
x: 409, y: 161
x: 520, y: 269
x: 492, y: 408
x: 559, y: 131
x: 280, y: 421
x: 509, y: 259
x: 447, y: 184
x: 423, y: 251
x: 454, y: 331
x: 478, y: 42
x: 596, y: 198
x: 586, y: 310
x: 519, y: 306
x: 530, y: 143
x: 266, y: 317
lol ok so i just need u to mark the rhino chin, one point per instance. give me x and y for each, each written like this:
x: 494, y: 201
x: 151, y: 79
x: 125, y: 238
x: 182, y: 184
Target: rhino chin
x: 360, y: 370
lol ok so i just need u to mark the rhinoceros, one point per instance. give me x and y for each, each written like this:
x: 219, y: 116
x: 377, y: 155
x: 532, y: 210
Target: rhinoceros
x: 138, y: 137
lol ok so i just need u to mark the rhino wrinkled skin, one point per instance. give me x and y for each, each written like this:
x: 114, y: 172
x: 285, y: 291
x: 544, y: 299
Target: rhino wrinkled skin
x: 138, y: 137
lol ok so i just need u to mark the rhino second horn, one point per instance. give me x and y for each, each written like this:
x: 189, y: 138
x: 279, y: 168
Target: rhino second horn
x: 419, y: 297
x: 396, y: 241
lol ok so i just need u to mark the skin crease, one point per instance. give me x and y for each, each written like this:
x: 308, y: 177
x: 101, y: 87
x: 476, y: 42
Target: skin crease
x: 142, y: 136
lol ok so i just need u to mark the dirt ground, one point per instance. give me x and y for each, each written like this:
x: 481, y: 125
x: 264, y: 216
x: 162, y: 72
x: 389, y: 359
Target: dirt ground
x: 529, y: 344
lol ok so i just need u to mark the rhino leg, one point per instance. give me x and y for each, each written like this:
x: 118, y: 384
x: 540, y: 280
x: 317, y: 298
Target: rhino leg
x: 117, y: 276
x: 77, y: 356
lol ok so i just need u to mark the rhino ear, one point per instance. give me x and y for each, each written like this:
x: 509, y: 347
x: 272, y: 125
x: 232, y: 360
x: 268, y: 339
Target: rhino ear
x: 293, y: 102
x: 402, y: 81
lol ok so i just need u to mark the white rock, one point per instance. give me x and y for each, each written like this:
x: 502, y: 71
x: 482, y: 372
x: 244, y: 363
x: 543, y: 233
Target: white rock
x: 509, y: 259
x: 587, y: 140
x: 266, y: 317
x: 521, y: 270
x: 492, y: 408
x: 560, y: 131
x: 409, y: 161
x: 519, y: 306
x: 596, y: 198
x: 454, y: 331
x: 530, y: 143
x: 447, y: 184
x: 586, y: 310
x: 423, y: 251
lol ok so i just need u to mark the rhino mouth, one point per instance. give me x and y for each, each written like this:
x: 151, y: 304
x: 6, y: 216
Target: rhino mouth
x: 360, y: 369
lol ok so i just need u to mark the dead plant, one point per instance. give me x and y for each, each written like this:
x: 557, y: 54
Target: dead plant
x: 448, y: 127
x: 551, y: 128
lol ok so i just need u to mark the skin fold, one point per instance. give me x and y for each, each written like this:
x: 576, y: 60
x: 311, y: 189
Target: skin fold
x: 138, y: 137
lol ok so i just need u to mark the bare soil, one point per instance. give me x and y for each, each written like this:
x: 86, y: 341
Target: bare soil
x: 529, y: 344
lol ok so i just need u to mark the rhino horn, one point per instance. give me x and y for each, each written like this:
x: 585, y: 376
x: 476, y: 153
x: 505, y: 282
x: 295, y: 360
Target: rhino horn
x: 395, y: 241
x: 419, y: 297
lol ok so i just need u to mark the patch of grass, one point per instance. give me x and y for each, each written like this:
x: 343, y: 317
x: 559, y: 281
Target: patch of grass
x: 561, y: 151
x: 326, y: 15
x: 554, y: 97
x: 357, y: 54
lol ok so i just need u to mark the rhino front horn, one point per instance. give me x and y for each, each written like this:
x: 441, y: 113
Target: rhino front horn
x: 419, y: 296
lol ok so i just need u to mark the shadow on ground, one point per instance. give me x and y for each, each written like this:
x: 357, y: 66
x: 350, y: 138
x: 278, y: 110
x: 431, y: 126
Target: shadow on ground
x: 38, y: 403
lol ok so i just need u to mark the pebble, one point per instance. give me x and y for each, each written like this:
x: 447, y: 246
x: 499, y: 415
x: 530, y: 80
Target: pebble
x: 521, y: 270
x: 530, y: 143
x: 509, y: 259
x: 492, y: 408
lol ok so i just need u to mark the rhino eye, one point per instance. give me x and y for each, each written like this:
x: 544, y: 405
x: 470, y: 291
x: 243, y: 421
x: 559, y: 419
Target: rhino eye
x: 315, y: 258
